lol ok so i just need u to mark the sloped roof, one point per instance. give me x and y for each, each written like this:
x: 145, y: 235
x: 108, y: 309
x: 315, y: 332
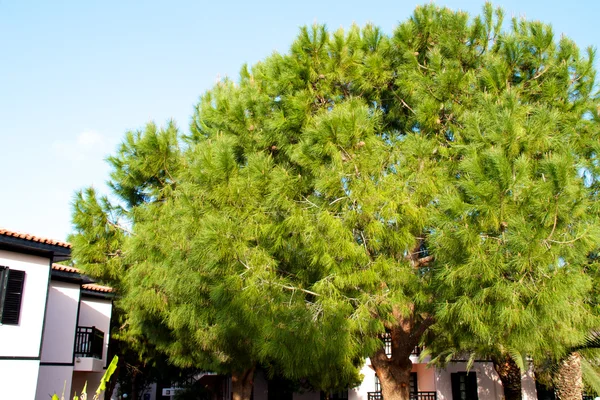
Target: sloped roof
x: 97, y: 288
x: 77, y: 272
x: 32, y: 238
x: 65, y: 268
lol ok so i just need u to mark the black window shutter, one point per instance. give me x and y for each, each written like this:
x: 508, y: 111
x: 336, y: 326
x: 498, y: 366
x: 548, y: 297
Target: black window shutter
x: 11, y: 309
x: 472, y: 386
x: 3, y: 275
x: 455, y: 380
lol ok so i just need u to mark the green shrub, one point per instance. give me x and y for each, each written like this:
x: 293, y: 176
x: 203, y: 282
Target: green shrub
x: 101, y: 387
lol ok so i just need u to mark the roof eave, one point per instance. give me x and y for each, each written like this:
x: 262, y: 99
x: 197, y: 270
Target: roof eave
x: 55, y: 252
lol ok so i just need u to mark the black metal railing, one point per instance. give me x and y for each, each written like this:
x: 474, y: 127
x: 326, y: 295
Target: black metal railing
x: 424, y: 396
x: 588, y: 397
x: 413, y: 396
x: 387, y: 341
x: 89, y: 342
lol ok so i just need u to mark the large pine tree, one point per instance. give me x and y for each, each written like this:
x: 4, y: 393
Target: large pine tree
x: 361, y: 185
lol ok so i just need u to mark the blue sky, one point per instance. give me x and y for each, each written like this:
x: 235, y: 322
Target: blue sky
x: 75, y: 75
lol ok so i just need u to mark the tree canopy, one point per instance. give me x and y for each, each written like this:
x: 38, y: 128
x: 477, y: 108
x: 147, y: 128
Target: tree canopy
x: 438, y: 184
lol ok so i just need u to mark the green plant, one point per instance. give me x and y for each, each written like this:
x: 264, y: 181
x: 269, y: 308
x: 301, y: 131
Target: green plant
x: 101, y: 387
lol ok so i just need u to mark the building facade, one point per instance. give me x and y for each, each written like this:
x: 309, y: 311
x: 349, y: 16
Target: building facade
x: 454, y: 382
x: 76, y: 334
x: 54, y: 322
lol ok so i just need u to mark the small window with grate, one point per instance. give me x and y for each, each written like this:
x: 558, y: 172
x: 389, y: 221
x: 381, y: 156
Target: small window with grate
x: 11, y: 293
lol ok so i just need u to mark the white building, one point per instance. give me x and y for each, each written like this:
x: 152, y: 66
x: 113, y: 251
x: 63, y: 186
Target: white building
x: 427, y: 383
x: 54, y: 321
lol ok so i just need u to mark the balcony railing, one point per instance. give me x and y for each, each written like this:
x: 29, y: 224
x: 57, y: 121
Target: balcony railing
x: 89, y: 342
x: 413, y: 396
x: 424, y: 396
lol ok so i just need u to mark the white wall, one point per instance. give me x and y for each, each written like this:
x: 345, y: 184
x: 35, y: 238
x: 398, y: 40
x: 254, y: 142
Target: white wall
x: 53, y: 379
x: 80, y: 379
x: 430, y: 379
x: 61, y: 322
x: 97, y: 312
x: 261, y: 386
x: 18, y: 379
x: 367, y: 385
x: 24, y: 340
x: 426, y: 380
x: 489, y: 386
x: 528, y: 389
x: 58, y: 339
x: 488, y: 383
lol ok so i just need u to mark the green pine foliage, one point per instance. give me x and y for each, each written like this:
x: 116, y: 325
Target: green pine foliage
x: 444, y: 175
x: 515, y: 229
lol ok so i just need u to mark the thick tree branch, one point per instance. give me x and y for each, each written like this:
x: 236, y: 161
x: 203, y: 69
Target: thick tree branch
x: 423, y: 326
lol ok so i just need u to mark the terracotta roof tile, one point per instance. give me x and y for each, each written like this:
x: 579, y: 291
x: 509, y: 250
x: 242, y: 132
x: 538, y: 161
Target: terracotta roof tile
x: 97, y: 288
x: 65, y: 268
x: 88, y: 286
x: 26, y: 236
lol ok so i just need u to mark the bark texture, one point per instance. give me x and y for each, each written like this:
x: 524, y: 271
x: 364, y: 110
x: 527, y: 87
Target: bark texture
x: 242, y: 383
x: 510, y: 375
x: 568, y: 383
x: 394, y: 371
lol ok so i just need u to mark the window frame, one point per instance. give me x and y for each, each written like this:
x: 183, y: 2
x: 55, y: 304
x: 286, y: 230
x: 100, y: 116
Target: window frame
x: 469, y: 379
x: 16, y: 293
x: 3, y: 283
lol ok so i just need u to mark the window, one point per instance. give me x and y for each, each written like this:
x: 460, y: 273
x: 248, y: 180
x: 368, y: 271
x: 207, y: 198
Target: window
x: 11, y: 292
x: 413, y: 385
x: 464, y: 386
x: 280, y: 389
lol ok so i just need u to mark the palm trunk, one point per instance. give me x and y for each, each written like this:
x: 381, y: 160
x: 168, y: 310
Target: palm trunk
x: 242, y: 383
x: 569, y: 382
x: 510, y: 376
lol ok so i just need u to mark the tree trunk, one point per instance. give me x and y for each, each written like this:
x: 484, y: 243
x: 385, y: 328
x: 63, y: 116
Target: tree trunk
x: 242, y: 383
x: 569, y: 382
x: 394, y: 371
x: 134, y: 394
x: 510, y: 376
x: 395, y: 380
